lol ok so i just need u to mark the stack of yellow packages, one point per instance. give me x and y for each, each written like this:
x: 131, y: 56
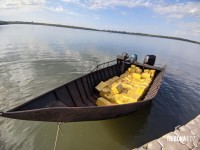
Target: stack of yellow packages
x: 128, y: 88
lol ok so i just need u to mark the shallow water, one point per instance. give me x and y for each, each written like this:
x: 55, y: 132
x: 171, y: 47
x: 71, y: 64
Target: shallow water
x: 35, y: 59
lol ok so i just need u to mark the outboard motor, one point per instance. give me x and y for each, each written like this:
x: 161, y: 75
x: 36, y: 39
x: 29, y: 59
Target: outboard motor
x: 150, y: 59
x: 133, y: 58
x: 121, y: 59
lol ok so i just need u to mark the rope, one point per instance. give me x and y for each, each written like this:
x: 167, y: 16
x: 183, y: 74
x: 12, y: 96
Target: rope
x: 58, y: 129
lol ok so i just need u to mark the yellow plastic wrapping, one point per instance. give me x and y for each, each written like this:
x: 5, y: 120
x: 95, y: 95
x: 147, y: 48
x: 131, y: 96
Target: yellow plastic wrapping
x: 131, y: 92
x: 133, y: 66
x: 136, y: 76
x: 122, y: 100
x: 131, y: 70
x: 124, y: 91
x: 101, y: 85
x: 146, y: 70
x: 138, y: 71
x: 127, y: 85
x: 145, y: 75
x: 135, y: 97
x: 117, y: 88
x: 128, y: 88
x: 152, y: 71
x: 152, y: 75
x: 125, y: 100
x: 139, y: 91
x: 105, y: 91
x: 115, y: 97
x: 103, y: 102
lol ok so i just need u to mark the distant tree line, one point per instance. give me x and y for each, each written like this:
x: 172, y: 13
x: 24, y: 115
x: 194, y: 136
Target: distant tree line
x: 111, y: 31
x: 3, y: 22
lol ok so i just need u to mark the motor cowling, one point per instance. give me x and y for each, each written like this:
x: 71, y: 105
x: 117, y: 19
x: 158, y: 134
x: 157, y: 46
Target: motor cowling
x: 133, y: 58
x: 150, y: 59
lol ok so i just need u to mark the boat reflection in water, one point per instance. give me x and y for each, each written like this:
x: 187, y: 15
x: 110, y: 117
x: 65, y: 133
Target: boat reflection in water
x: 125, y: 130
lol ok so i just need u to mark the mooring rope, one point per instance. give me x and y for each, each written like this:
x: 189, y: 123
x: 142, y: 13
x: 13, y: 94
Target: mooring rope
x: 58, y: 129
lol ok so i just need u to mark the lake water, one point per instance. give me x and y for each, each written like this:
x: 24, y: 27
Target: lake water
x: 35, y: 59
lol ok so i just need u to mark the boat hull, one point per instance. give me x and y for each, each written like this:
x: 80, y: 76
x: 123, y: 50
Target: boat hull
x: 76, y: 100
x: 75, y: 114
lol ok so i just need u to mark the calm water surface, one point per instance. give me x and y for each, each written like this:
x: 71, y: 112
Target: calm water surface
x: 35, y: 59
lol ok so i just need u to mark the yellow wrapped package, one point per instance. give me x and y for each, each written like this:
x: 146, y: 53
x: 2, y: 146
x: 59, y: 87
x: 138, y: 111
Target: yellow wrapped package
x: 122, y: 80
x: 127, y: 78
x: 145, y: 75
x: 140, y: 91
x: 144, y: 84
x: 105, y: 91
x: 143, y: 87
x: 115, y: 78
x: 138, y: 71
x: 101, y: 85
x: 148, y: 81
x: 124, y: 75
x: 117, y: 88
x: 152, y: 75
x: 124, y: 91
x: 103, y: 102
x: 146, y: 70
x: 130, y: 70
x: 127, y: 85
x: 112, y: 80
x: 106, y: 96
x: 152, y: 71
x: 132, y: 99
x: 108, y: 82
x: 135, y: 81
x: 133, y: 66
x: 125, y: 100
x: 122, y: 100
x: 131, y: 92
x: 135, y: 97
x: 115, y: 97
x: 109, y: 97
x: 114, y: 83
x: 136, y: 76
x: 142, y: 80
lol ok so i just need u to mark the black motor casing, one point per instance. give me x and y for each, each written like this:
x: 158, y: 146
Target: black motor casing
x: 150, y: 59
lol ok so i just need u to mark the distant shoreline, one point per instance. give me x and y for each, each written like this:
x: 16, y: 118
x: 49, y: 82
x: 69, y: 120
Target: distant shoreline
x: 91, y: 29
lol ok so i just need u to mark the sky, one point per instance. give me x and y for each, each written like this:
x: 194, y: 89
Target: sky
x: 180, y: 18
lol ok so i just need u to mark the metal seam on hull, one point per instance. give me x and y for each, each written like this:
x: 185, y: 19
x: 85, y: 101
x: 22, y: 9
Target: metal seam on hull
x: 70, y: 95
x: 104, y: 74
x: 84, y: 88
x: 91, y: 85
x: 113, y: 70
x: 56, y: 96
x: 97, y: 77
x: 100, y: 72
x: 109, y: 72
x: 88, y: 85
x: 79, y: 92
